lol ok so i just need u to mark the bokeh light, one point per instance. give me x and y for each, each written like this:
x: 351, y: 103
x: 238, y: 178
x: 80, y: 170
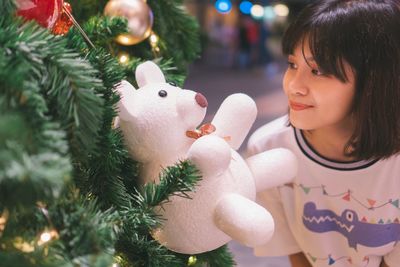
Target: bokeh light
x: 281, y: 10
x: 257, y: 11
x: 223, y: 6
x: 245, y: 7
x: 269, y: 13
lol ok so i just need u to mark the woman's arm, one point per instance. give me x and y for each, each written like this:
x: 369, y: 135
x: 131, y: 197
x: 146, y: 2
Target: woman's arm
x: 300, y: 260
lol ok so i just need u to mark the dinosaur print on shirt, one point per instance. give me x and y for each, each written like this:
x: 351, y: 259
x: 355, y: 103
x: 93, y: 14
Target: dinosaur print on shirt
x: 348, y: 224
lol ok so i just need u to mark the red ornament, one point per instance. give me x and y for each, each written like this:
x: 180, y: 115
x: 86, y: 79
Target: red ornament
x: 45, y: 12
x: 64, y: 22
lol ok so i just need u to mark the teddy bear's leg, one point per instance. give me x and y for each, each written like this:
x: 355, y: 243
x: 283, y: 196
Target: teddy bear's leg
x: 272, y: 168
x: 211, y: 155
x: 243, y: 220
x: 234, y: 118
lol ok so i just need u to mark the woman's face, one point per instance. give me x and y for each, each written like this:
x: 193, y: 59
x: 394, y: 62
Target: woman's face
x: 316, y: 100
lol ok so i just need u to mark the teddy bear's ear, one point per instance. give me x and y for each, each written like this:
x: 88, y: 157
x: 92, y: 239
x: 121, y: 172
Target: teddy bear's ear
x: 126, y: 103
x: 148, y: 72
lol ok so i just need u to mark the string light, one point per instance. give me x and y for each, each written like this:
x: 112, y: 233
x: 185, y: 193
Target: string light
x: 123, y: 58
x: 192, y: 261
x: 154, y: 39
x: 47, y: 236
x: 22, y: 245
x: 3, y: 220
x: 117, y: 259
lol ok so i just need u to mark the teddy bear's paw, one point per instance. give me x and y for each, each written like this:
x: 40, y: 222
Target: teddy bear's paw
x: 244, y: 220
x: 211, y: 155
x: 272, y: 168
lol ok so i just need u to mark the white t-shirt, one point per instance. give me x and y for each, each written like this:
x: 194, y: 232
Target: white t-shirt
x: 337, y: 213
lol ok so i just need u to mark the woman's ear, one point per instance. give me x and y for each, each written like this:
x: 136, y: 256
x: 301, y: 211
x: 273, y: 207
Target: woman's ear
x: 148, y: 72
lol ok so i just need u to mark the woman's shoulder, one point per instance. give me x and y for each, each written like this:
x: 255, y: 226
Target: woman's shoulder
x: 273, y: 131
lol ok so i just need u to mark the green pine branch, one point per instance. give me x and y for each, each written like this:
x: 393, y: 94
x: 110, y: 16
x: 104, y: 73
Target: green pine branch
x: 144, y: 252
x: 182, y: 44
x: 82, y: 228
x: 176, y: 180
x: 57, y: 106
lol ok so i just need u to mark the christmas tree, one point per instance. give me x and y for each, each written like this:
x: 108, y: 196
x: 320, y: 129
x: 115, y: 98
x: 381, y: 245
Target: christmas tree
x: 69, y: 194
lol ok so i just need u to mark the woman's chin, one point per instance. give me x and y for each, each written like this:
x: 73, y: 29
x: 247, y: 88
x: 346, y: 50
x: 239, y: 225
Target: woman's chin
x: 299, y: 124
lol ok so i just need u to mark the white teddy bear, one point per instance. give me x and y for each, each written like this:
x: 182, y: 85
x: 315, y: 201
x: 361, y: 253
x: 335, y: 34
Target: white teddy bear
x: 158, y: 121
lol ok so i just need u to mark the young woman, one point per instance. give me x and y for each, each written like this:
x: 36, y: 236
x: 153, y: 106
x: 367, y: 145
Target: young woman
x: 343, y: 89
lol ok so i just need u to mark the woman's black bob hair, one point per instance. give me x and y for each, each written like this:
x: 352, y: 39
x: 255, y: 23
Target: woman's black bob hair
x: 366, y: 35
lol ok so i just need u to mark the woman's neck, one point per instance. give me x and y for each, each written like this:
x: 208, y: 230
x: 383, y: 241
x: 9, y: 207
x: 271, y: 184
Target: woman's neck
x: 330, y: 142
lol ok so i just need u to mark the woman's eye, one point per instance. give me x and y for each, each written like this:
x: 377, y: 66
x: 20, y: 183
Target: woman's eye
x: 291, y: 65
x: 317, y: 72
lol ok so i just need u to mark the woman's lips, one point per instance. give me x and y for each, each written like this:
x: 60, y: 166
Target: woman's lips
x: 298, y: 106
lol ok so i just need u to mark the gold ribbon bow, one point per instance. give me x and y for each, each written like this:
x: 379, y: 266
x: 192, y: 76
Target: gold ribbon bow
x: 204, y: 129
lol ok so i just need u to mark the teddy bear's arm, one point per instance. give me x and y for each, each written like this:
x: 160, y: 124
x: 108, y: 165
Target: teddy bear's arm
x: 244, y: 220
x: 211, y: 155
x: 234, y: 118
x: 272, y: 168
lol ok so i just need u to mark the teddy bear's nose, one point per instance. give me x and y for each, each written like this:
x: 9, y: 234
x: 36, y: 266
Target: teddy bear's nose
x: 201, y: 100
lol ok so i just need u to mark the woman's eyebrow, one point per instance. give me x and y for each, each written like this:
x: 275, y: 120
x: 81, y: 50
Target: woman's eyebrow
x: 311, y: 58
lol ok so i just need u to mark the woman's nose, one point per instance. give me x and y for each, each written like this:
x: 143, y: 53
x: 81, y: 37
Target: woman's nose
x: 298, y: 85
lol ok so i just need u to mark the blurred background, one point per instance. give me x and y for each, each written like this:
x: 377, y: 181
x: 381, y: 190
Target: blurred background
x: 241, y: 52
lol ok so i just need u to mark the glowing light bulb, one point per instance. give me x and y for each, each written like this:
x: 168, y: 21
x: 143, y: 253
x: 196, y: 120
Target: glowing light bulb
x: 123, y: 58
x: 45, y: 237
x: 22, y: 245
x: 153, y: 39
x: 192, y: 260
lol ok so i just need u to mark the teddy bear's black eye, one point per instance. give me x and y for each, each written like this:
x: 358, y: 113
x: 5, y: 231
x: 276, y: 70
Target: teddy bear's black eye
x: 162, y: 93
x: 172, y: 83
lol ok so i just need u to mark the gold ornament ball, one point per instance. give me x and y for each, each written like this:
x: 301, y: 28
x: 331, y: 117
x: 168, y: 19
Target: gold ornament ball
x: 139, y: 16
